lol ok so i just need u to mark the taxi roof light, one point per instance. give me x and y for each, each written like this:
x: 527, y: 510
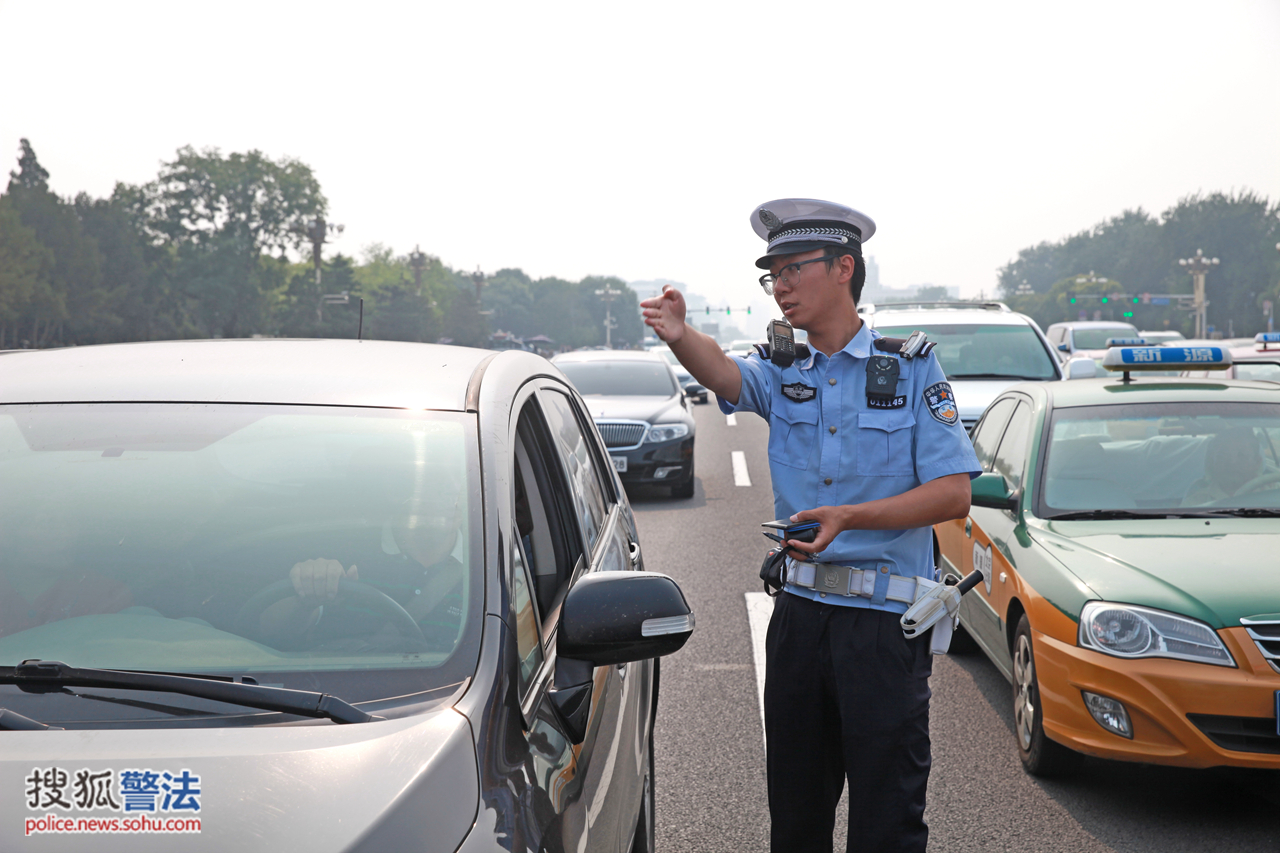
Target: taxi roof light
x: 1128, y: 342
x: 1264, y: 338
x: 1126, y: 358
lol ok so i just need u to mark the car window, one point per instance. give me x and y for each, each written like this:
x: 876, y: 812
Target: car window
x: 544, y: 511
x: 1269, y: 372
x: 977, y: 350
x: 174, y: 538
x: 527, y: 628
x: 620, y: 378
x: 1010, y: 458
x: 581, y: 460
x: 1163, y: 456
x: 986, y: 436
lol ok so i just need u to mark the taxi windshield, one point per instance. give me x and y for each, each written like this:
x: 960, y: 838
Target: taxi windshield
x: 1162, y: 457
x: 287, y: 545
x: 982, y: 351
x: 1097, y: 338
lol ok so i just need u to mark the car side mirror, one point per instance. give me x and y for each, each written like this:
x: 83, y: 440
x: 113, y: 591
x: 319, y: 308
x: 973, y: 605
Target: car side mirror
x: 991, y: 491
x: 1064, y: 348
x: 1081, y: 368
x: 611, y: 618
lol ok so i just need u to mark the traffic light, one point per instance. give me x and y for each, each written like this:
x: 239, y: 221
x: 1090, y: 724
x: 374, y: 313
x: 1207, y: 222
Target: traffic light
x: 708, y: 309
x: 1128, y: 313
x: 1104, y: 300
x: 1135, y: 300
x: 1072, y: 298
x: 728, y: 311
x: 748, y: 310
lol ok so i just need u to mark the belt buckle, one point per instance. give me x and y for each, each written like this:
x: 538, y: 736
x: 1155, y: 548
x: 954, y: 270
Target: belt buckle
x: 827, y: 579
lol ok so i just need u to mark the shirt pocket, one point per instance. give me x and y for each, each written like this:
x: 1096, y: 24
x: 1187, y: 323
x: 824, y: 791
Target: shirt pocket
x: 793, y: 428
x: 884, y: 443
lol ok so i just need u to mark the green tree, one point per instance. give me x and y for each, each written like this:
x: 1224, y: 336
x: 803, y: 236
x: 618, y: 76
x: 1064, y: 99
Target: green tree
x: 74, y: 305
x: 24, y: 268
x: 304, y: 313
x: 220, y: 214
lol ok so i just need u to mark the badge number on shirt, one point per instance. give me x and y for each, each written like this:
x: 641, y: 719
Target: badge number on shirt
x: 799, y: 392
x: 897, y: 402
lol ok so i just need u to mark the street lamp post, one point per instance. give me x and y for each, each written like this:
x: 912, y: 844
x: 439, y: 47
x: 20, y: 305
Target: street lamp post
x: 417, y: 263
x: 1198, y: 266
x: 316, y: 231
x: 608, y: 294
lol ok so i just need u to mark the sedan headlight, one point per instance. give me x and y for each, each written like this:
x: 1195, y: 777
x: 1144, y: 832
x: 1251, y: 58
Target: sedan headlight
x: 666, y: 432
x: 1130, y: 631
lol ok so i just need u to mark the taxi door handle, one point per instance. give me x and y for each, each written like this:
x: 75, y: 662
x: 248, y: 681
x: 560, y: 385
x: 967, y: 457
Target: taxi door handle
x: 635, y: 552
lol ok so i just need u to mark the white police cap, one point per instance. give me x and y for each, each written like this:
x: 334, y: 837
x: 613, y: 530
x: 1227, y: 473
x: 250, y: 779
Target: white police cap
x: 795, y: 225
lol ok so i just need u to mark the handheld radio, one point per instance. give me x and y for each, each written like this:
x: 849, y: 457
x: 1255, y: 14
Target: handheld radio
x: 782, y: 343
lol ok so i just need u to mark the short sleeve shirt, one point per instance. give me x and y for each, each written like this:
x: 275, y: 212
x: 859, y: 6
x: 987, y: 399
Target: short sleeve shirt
x: 829, y: 445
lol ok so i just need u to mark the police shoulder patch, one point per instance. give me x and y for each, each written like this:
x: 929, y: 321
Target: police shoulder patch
x: 799, y: 392
x: 942, y: 403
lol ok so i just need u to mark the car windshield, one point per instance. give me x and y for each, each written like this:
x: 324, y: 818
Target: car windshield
x: 177, y: 537
x: 1097, y: 338
x: 620, y: 378
x: 669, y: 356
x: 980, y: 350
x: 1163, y: 457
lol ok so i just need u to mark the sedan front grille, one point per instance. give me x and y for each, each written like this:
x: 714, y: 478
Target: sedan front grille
x: 620, y: 434
x: 1240, y: 734
x: 1266, y: 633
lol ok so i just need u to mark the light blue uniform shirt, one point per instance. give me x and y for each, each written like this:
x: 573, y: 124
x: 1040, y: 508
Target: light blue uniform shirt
x: 833, y: 449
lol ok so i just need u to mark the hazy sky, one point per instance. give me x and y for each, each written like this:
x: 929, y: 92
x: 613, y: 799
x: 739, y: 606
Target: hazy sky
x: 636, y: 139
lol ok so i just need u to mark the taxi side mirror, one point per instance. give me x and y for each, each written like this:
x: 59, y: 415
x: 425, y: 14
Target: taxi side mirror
x: 1081, y: 368
x: 991, y: 491
x: 1064, y: 348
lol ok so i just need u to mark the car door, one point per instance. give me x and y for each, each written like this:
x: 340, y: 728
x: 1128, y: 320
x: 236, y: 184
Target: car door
x: 962, y: 552
x: 567, y: 523
x: 994, y: 539
x: 613, y: 759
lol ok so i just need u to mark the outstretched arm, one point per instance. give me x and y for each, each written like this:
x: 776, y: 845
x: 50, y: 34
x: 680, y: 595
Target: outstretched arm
x: 699, y: 353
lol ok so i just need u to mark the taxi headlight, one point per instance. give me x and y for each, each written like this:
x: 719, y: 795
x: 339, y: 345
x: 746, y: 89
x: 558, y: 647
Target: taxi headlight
x: 666, y: 432
x: 1130, y: 631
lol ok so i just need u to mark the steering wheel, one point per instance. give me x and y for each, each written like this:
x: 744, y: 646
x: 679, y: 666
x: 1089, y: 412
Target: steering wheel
x: 354, y: 592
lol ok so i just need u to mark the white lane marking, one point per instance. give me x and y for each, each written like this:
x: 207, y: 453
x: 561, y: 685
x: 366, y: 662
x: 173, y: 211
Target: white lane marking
x: 740, y: 475
x: 731, y: 420
x: 759, y: 610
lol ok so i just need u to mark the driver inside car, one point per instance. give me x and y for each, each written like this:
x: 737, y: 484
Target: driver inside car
x: 1233, y: 465
x: 408, y: 558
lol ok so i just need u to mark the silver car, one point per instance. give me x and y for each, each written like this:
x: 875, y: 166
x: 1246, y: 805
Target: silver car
x: 983, y: 347
x: 319, y: 595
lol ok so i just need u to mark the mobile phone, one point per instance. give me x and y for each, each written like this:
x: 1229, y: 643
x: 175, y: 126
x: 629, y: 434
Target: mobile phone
x: 801, y: 531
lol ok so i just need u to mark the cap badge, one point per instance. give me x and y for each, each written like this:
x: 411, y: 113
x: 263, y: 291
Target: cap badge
x: 769, y: 219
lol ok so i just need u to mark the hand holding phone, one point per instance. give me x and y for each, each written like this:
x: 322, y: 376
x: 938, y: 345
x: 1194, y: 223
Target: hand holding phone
x: 800, y: 531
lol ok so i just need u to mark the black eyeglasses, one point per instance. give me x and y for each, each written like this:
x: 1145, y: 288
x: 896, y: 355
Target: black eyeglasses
x: 790, y: 274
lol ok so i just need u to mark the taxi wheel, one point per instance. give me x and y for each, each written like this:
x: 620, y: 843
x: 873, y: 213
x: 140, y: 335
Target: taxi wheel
x: 1040, y: 755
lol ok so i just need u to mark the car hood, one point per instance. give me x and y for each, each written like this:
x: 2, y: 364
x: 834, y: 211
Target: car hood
x: 974, y: 395
x: 1216, y: 572
x: 652, y: 409
x: 270, y: 788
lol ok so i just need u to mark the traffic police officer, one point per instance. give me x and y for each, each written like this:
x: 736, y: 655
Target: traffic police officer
x: 846, y: 694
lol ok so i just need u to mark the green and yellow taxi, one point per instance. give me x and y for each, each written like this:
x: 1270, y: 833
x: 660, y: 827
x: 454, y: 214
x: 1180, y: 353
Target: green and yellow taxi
x: 1128, y: 533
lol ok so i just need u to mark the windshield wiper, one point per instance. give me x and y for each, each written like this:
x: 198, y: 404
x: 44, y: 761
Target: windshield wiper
x: 996, y: 376
x: 1247, y: 512
x: 12, y: 721
x: 303, y: 703
x: 1095, y: 514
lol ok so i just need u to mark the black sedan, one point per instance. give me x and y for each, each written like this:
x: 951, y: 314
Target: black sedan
x: 320, y: 595
x: 641, y: 412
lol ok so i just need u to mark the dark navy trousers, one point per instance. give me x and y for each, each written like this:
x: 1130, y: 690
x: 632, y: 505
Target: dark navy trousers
x: 846, y: 696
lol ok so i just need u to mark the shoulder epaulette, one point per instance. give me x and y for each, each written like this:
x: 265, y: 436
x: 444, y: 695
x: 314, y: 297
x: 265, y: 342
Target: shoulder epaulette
x: 766, y: 352
x: 918, y: 345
